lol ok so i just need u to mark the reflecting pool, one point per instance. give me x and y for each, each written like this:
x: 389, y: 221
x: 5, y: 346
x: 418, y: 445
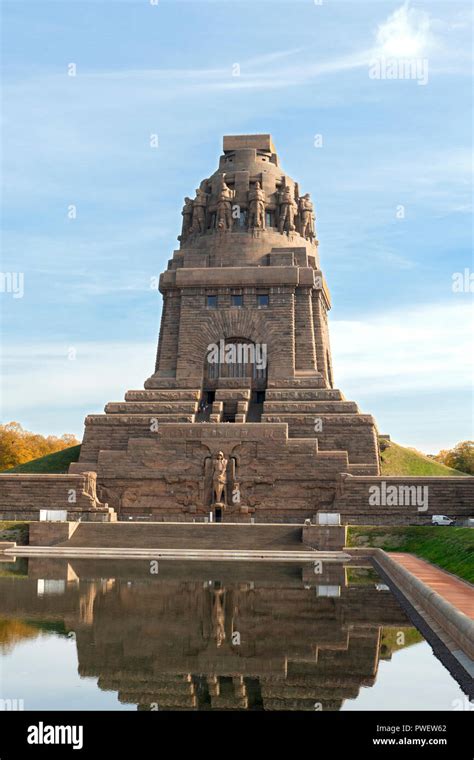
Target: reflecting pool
x: 126, y: 635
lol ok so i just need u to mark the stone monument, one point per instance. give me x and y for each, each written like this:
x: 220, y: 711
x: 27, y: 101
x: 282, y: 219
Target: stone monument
x: 258, y: 430
x: 240, y: 419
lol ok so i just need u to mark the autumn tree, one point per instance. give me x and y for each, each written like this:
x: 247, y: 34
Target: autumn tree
x: 18, y: 445
x: 460, y: 458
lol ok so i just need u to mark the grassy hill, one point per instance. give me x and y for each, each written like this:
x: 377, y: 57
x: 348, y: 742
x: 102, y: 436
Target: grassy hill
x: 398, y: 460
x: 450, y: 548
x: 58, y: 462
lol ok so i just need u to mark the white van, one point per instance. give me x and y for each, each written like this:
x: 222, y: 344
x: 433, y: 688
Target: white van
x: 442, y: 520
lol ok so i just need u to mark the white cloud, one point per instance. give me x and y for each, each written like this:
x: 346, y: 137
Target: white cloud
x: 406, y: 33
x: 425, y: 348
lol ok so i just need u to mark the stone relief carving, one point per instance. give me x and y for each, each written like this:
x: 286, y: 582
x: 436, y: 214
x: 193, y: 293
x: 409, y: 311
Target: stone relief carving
x: 187, y: 214
x: 306, y: 214
x: 199, y: 212
x: 293, y: 212
x: 219, y: 478
x: 287, y: 208
x: 224, y: 208
x: 256, y: 208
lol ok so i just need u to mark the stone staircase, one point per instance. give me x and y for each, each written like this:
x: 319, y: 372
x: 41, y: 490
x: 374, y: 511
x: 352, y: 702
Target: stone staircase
x: 211, y: 536
x: 324, y: 413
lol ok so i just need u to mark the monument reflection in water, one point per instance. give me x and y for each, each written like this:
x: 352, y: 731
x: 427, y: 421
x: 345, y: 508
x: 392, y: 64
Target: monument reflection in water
x: 224, y: 636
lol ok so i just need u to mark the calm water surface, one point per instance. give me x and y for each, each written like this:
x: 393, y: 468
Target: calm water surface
x: 110, y: 635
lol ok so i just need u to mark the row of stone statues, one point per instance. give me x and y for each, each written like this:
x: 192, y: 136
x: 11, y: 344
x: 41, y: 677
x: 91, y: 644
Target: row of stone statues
x: 293, y: 214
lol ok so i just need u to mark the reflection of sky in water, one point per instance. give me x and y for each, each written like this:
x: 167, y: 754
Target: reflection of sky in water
x: 414, y: 679
x: 43, y: 673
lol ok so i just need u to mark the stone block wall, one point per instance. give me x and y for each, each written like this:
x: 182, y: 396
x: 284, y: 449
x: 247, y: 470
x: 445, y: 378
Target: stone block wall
x: 451, y: 496
x: 22, y: 496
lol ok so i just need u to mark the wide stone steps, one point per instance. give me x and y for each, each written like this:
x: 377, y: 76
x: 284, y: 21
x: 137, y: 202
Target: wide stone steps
x: 305, y: 407
x: 151, y: 407
x: 303, y: 394
x: 141, y: 420
x: 189, y: 536
x: 164, y: 395
x: 305, y: 418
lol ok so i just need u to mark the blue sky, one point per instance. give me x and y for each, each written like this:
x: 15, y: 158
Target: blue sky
x: 86, y: 327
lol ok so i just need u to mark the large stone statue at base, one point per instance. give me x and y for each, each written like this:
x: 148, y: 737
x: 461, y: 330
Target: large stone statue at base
x: 219, y: 478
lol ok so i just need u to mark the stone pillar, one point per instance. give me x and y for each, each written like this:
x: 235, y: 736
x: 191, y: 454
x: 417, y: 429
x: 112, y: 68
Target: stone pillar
x: 323, y: 352
x: 281, y: 350
x: 305, y: 358
x: 194, y: 318
x: 167, y: 353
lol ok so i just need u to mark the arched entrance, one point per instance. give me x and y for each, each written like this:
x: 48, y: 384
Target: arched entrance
x: 236, y: 358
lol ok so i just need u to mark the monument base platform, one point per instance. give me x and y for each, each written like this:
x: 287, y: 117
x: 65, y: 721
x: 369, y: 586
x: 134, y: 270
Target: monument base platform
x: 203, y: 538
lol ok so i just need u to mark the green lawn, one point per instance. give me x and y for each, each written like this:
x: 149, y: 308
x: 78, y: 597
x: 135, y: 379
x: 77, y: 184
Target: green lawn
x: 398, y: 460
x: 58, y: 462
x: 449, y: 548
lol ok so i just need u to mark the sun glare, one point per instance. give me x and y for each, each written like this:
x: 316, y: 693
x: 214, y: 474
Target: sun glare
x: 405, y: 34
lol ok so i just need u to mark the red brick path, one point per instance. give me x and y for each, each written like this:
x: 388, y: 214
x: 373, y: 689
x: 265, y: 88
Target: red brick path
x: 457, y: 592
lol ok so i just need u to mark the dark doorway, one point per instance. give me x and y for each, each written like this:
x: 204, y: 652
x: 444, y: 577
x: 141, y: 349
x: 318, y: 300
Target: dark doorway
x: 229, y: 411
x: 218, y: 514
x: 256, y: 406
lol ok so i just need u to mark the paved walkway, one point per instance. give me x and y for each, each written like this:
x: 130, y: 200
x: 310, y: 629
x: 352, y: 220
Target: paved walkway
x: 459, y: 593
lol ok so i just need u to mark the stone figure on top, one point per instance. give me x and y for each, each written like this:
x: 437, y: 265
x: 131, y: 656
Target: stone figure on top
x: 187, y: 214
x: 287, y: 210
x: 257, y: 207
x: 306, y: 213
x: 224, y: 208
x: 199, y: 211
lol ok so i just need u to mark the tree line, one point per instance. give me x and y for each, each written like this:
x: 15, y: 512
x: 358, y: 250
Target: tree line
x: 18, y: 446
x: 461, y: 457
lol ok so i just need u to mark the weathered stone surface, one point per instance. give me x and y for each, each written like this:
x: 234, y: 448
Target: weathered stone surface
x: 23, y: 495
x: 443, y: 495
x: 284, y: 431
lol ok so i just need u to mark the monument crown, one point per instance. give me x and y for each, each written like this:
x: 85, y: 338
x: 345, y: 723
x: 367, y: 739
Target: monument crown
x: 248, y: 203
x: 239, y: 142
